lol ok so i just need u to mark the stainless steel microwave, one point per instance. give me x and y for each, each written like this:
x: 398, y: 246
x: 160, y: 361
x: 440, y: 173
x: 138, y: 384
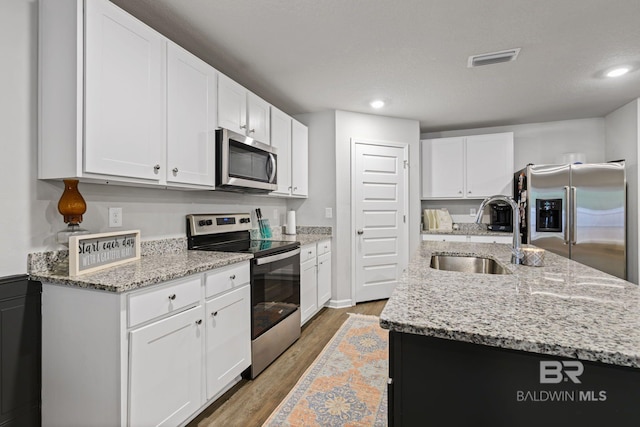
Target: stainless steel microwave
x: 243, y: 164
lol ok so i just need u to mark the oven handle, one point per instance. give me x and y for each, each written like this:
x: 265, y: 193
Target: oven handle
x: 277, y: 257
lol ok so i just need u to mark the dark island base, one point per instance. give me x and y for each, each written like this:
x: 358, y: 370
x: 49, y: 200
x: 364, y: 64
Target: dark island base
x: 443, y: 382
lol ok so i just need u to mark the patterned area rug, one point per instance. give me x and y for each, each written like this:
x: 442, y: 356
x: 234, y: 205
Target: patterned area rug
x: 347, y: 383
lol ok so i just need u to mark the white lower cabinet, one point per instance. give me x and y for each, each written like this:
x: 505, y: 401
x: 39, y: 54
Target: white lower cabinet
x: 315, y: 278
x: 165, y: 370
x: 156, y: 356
x: 228, y: 342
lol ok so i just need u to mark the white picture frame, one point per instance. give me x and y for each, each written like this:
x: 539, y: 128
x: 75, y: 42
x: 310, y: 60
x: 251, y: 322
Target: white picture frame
x: 93, y: 252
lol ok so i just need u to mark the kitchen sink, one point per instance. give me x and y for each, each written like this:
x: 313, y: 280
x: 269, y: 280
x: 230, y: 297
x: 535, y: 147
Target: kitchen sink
x: 467, y: 264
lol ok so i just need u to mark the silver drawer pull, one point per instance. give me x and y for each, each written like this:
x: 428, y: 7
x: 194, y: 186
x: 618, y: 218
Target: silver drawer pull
x: 215, y: 313
x: 199, y: 322
x: 232, y: 277
x: 172, y: 297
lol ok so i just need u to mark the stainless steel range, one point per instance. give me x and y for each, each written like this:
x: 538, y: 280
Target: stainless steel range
x: 275, y: 281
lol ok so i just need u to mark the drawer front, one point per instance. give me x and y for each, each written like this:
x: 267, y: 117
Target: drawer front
x: 225, y: 278
x: 156, y: 302
x: 308, y: 252
x: 324, y: 247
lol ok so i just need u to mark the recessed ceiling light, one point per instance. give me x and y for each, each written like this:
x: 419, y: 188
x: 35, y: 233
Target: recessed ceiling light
x: 378, y: 103
x: 617, y: 72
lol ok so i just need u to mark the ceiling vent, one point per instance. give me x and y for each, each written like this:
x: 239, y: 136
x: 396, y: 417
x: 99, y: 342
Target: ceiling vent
x: 493, y: 58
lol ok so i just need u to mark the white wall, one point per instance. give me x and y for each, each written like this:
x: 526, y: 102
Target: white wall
x: 622, y: 140
x: 368, y: 127
x: 322, y: 171
x: 29, y: 218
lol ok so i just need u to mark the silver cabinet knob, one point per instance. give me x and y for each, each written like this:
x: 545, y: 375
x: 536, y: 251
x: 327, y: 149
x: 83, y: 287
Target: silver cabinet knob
x: 199, y: 321
x: 460, y: 192
x: 215, y: 313
x: 232, y: 277
x: 156, y: 168
x: 172, y: 297
x: 252, y: 130
x: 175, y: 170
x: 360, y: 232
x: 243, y: 126
x: 469, y: 191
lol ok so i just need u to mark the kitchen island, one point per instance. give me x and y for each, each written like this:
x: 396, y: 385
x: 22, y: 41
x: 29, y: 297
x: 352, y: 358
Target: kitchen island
x: 541, y: 345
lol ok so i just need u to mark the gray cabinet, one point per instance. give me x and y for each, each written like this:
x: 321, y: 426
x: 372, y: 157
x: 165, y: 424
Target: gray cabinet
x: 20, y: 351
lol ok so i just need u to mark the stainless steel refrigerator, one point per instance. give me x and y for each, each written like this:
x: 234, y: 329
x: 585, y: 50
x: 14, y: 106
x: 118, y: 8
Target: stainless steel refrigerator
x: 577, y: 211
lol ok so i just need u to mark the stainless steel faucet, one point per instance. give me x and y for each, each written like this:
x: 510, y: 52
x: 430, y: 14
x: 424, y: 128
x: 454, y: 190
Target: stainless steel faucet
x: 517, y: 253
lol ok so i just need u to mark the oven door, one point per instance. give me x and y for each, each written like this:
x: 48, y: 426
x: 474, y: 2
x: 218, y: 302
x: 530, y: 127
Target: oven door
x: 244, y: 164
x: 275, y: 289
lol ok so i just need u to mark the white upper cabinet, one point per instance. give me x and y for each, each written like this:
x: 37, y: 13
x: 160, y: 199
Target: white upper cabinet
x: 472, y: 167
x: 281, y: 140
x: 241, y: 111
x: 299, y: 159
x: 191, y: 118
x: 443, y: 168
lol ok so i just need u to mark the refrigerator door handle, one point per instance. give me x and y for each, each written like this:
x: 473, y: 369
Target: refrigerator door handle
x: 566, y: 216
x: 574, y: 215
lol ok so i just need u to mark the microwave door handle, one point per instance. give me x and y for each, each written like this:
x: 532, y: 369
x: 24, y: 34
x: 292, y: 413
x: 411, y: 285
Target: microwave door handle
x: 272, y: 161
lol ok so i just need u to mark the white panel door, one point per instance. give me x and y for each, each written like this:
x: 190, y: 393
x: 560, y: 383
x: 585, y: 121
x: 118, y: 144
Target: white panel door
x: 232, y: 105
x: 489, y: 165
x: 228, y: 338
x: 281, y: 140
x: 191, y: 119
x: 165, y: 370
x: 443, y: 170
x: 258, y: 121
x: 299, y: 159
x: 124, y: 95
x: 380, y: 195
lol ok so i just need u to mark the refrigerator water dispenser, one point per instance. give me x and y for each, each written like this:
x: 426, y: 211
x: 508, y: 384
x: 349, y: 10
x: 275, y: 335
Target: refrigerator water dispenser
x: 549, y: 215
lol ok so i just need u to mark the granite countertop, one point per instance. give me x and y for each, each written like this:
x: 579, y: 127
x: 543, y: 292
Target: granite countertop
x: 161, y: 260
x: 469, y: 229
x: 563, y: 308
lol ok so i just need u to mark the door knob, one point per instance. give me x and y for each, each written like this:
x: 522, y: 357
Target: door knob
x: 360, y: 232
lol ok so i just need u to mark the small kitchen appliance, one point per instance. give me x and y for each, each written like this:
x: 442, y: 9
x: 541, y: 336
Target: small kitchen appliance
x: 244, y: 164
x: 500, y: 218
x: 275, y: 281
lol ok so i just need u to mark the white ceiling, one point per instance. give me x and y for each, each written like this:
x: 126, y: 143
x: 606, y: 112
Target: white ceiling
x: 313, y: 55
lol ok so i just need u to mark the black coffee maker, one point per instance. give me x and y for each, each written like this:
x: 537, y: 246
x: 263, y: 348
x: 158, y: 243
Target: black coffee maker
x: 500, y: 218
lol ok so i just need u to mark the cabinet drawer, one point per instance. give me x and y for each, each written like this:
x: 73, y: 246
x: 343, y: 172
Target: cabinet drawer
x: 324, y: 247
x: 225, y: 278
x: 308, y: 252
x: 156, y: 302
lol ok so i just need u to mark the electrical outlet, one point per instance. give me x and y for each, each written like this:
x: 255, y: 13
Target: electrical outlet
x: 328, y: 213
x: 115, y: 217
x: 472, y: 211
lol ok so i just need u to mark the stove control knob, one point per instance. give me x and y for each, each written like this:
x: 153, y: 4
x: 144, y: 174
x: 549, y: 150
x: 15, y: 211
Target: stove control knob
x: 209, y: 222
x: 202, y: 223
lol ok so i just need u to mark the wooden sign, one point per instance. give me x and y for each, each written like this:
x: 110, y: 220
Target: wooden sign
x: 93, y: 252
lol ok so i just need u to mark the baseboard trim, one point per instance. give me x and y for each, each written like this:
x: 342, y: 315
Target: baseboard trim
x: 343, y: 303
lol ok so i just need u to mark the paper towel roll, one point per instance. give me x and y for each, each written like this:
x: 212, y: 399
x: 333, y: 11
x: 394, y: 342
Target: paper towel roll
x: 291, y: 222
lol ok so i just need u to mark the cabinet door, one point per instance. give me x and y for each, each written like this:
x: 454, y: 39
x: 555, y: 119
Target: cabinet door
x: 228, y: 338
x: 259, y: 123
x: 443, y: 168
x: 124, y: 95
x: 165, y: 370
x: 444, y: 238
x: 281, y: 140
x: 299, y: 159
x: 324, y: 278
x: 232, y: 105
x: 308, y: 290
x: 191, y: 118
x: 489, y: 165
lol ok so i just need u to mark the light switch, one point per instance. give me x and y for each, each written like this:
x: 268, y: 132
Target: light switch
x: 328, y: 213
x: 472, y: 212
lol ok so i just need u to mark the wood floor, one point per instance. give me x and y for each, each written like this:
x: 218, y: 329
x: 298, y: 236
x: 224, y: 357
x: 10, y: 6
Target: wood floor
x: 250, y: 403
